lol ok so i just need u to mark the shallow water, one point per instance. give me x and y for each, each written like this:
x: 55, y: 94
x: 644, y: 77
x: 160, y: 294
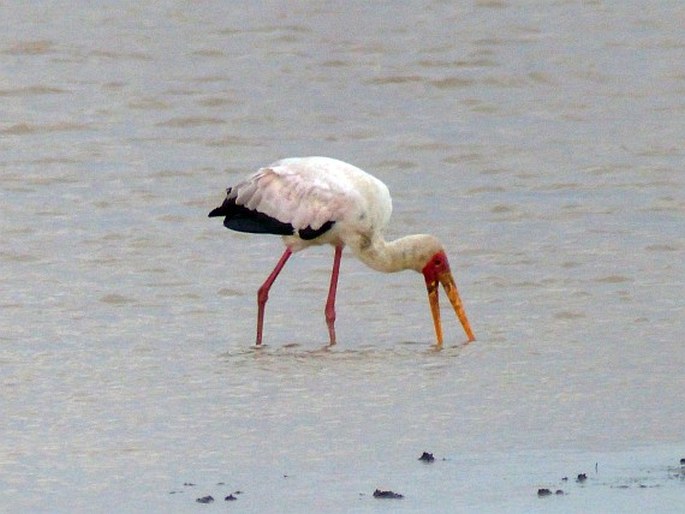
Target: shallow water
x: 543, y: 144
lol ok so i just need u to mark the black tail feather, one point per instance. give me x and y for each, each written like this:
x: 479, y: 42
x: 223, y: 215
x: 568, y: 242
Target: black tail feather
x: 224, y: 209
x: 219, y: 211
x: 242, y: 219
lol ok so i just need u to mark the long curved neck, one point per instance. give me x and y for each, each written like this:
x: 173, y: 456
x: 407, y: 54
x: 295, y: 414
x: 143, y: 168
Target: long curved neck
x: 409, y: 252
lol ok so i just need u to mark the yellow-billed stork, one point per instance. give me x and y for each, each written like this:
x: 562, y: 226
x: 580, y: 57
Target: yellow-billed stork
x: 319, y: 200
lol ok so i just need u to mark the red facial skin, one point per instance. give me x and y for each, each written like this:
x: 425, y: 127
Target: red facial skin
x: 438, y: 270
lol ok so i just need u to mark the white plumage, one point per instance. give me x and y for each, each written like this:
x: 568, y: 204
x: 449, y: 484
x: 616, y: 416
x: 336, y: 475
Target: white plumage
x: 308, y: 192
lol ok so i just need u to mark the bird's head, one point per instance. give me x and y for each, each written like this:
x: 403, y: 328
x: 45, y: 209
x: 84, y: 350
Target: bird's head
x: 437, y: 270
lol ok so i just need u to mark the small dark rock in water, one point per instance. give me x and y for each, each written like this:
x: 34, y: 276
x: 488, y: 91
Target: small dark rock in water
x: 565, y: 479
x: 188, y: 484
x: 682, y: 461
x: 427, y: 457
x: 582, y: 477
x: 386, y: 494
x: 205, y: 499
x: 559, y: 492
x: 544, y: 492
x: 230, y: 498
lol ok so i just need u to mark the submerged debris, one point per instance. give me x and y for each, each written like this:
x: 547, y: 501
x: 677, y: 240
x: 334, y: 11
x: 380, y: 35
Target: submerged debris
x: 426, y: 457
x: 230, y: 498
x: 582, y: 477
x: 205, y: 499
x: 547, y: 492
x: 387, y: 494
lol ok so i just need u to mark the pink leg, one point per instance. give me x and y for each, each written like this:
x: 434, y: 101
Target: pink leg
x: 330, y: 303
x: 263, y: 292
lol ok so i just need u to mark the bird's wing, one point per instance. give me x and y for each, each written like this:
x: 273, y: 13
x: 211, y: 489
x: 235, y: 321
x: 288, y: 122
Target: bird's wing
x: 303, y: 196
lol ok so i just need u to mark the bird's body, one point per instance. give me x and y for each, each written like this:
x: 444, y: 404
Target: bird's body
x: 319, y: 200
x: 309, y: 201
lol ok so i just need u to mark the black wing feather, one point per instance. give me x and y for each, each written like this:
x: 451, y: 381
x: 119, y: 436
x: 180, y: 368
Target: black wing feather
x: 242, y: 219
x: 309, y: 233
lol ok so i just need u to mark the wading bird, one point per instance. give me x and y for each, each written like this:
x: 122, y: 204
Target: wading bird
x: 319, y: 200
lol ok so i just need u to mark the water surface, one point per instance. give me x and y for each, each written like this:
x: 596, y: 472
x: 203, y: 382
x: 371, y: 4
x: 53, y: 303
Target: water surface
x: 541, y: 142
